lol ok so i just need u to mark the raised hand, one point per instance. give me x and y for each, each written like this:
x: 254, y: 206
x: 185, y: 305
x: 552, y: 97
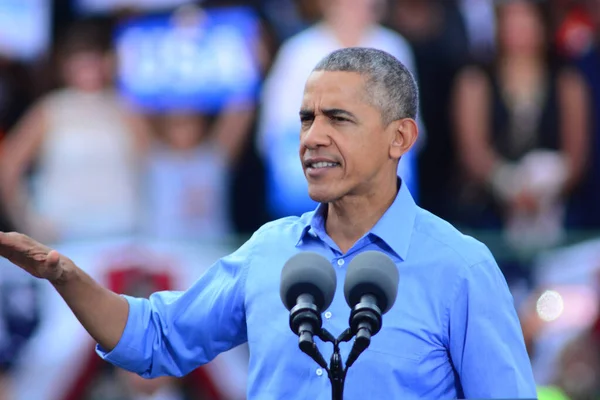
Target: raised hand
x: 35, y: 258
x: 101, y: 312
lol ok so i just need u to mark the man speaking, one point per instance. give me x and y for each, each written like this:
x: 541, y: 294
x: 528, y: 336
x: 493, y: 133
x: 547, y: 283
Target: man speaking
x: 453, y: 331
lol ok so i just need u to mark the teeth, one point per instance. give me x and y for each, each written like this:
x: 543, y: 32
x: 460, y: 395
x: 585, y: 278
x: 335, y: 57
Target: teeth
x: 323, y: 164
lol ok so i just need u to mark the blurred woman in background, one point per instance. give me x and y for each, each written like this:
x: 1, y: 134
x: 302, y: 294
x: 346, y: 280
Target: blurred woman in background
x: 85, y: 148
x: 522, y: 132
x: 190, y: 173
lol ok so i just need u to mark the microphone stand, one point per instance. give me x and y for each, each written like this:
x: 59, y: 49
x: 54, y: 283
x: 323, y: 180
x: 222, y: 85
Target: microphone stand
x: 336, y: 371
x: 365, y: 321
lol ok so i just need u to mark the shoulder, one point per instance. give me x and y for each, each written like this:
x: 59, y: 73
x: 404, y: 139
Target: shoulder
x: 464, y: 265
x: 62, y: 94
x: 282, y: 231
x: 55, y: 98
x: 456, y: 248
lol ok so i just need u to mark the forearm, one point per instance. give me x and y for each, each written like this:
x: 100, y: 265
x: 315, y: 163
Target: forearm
x: 102, y: 312
x: 232, y: 129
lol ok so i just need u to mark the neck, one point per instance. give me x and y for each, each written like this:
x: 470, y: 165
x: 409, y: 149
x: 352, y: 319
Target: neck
x: 521, y: 74
x: 521, y: 63
x: 351, y: 217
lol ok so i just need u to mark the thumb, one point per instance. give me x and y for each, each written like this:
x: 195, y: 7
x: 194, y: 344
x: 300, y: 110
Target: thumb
x: 52, y: 270
x: 52, y: 259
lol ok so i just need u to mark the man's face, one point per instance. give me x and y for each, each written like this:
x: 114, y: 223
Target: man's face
x: 344, y: 145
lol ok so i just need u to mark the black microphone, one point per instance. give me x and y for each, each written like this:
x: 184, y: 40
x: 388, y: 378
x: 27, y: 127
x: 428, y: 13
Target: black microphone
x: 370, y: 289
x: 308, y: 283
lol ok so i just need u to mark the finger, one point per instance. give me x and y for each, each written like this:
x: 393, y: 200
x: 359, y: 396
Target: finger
x: 6, y: 245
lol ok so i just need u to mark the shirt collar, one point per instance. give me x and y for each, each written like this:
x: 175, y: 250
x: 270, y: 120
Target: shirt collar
x: 394, y: 228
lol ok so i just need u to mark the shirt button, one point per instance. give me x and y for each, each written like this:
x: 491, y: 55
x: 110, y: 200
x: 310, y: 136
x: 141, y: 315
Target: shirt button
x: 319, y: 372
x: 328, y: 314
x: 340, y: 262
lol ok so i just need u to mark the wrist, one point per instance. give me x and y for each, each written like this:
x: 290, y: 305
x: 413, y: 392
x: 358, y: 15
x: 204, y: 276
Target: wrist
x: 68, y: 273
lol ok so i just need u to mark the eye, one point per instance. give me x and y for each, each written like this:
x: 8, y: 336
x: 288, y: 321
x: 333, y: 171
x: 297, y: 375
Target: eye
x: 306, y: 122
x: 340, y: 119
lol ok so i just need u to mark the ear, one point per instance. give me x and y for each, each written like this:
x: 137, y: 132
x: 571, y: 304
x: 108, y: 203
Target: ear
x: 404, y: 135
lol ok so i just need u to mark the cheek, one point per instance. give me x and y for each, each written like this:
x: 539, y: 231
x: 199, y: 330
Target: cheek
x: 363, y: 158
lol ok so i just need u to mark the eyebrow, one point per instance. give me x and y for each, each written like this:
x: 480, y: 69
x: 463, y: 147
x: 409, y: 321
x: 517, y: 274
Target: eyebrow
x: 329, y: 112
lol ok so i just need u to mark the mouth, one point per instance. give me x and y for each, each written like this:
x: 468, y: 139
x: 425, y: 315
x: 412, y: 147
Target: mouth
x: 321, y: 164
x: 316, y: 169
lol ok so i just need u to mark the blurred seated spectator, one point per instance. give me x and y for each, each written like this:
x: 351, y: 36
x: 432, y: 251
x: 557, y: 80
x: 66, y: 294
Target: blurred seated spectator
x: 189, y: 173
x: 584, y: 210
x: 345, y: 23
x: 522, y: 133
x: 83, y: 147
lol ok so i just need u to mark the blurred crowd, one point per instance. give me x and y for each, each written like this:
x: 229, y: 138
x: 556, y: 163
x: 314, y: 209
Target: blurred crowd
x: 117, y: 130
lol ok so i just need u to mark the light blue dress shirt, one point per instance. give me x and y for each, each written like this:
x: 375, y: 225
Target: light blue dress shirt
x: 453, y: 331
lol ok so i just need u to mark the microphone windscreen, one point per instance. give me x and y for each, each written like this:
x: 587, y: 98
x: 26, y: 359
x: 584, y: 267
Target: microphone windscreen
x: 308, y: 273
x: 372, y: 272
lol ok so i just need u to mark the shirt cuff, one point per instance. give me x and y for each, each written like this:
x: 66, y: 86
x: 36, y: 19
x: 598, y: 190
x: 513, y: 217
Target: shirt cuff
x: 127, y: 353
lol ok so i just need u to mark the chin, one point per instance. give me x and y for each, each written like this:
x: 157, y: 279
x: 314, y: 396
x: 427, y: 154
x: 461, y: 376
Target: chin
x: 322, y: 195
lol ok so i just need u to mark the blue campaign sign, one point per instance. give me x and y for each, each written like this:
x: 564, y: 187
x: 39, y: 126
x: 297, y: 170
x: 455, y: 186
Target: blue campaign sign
x: 24, y: 28
x: 196, y: 62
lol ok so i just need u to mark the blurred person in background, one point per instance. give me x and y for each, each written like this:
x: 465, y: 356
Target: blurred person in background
x: 438, y: 37
x: 522, y: 127
x: 584, y: 208
x: 189, y: 173
x: 345, y: 23
x: 84, y: 147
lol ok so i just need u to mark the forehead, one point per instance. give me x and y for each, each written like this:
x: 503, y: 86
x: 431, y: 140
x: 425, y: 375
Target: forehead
x: 334, y: 89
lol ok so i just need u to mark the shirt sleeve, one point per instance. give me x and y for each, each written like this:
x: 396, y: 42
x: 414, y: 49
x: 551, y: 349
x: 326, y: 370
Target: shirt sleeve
x: 486, y: 342
x: 172, y: 333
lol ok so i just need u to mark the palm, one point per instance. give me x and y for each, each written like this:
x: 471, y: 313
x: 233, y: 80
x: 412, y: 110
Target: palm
x: 28, y: 254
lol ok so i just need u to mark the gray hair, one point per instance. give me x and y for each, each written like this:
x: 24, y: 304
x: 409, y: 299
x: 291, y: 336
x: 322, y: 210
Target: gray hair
x: 389, y: 84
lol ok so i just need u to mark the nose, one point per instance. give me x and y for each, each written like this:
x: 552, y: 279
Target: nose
x: 315, y: 136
